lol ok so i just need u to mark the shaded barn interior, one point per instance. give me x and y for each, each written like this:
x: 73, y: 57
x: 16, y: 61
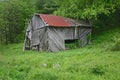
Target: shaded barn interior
x: 50, y: 33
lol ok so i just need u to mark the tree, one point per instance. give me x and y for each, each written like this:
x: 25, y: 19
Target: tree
x: 87, y: 9
x: 46, y: 6
x: 14, y: 14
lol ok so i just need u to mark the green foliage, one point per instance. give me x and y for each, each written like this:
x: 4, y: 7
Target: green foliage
x: 87, y: 9
x: 98, y: 70
x: 116, y: 46
x: 13, y: 15
x: 46, y: 6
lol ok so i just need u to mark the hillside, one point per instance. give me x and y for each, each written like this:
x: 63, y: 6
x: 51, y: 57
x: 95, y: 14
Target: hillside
x: 98, y: 61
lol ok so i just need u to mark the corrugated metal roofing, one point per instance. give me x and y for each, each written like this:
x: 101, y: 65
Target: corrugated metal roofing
x: 58, y: 21
x: 53, y: 20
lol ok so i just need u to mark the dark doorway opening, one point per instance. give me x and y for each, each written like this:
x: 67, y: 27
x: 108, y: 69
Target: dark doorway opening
x: 71, y: 44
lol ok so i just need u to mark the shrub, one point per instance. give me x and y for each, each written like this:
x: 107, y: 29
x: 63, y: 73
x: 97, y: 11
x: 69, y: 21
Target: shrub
x: 116, y: 47
x: 97, y: 70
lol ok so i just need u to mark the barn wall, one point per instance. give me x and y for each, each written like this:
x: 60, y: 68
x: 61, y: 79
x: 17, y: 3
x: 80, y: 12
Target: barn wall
x: 35, y: 37
x: 67, y: 33
x: 83, y: 34
x: 34, y: 30
x: 72, y: 33
x: 43, y: 39
x: 37, y: 22
x: 53, y: 39
x: 39, y: 39
x: 56, y: 40
x: 57, y: 36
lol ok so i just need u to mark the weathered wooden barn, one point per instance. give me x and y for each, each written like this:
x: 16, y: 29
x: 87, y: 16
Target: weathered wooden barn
x: 49, y: 32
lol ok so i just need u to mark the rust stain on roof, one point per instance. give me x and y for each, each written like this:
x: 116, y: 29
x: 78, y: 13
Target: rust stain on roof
x: 57, y: 21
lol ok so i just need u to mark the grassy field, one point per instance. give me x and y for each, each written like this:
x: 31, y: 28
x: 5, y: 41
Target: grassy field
x: 99, y: 61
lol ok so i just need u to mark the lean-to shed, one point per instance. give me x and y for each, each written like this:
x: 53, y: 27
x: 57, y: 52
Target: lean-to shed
x: 49, y: 32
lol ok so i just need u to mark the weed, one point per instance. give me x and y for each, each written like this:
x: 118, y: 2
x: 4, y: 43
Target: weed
x: 98, y: 70
x: 116, y: 46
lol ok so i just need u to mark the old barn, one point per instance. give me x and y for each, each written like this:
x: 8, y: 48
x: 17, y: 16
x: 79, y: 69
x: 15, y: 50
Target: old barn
x: 50, y: 32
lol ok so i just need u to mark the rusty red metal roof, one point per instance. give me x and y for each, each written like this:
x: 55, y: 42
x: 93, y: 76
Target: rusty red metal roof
x: 56, y: 21
x: 59, y: 21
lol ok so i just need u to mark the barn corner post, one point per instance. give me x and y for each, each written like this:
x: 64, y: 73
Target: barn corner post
x: 90, y: 42
x: 24, y: 44
x: 25, y: 41
x: 48, y: 39
x: 91, y: 24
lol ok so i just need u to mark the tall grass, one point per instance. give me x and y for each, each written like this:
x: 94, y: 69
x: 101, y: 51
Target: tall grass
x: 93, y: 62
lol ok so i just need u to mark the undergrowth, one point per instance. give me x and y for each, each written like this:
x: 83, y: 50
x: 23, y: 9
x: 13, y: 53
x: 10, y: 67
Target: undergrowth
x: 116, y: 46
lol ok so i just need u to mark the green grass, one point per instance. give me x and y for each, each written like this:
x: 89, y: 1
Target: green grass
x: 93, y: 62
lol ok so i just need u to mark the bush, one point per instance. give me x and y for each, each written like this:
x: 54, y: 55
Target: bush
x: 116, y: 47
x: 98, y: 70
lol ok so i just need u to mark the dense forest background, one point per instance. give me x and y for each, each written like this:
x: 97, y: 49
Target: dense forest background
x: 15, y: 14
